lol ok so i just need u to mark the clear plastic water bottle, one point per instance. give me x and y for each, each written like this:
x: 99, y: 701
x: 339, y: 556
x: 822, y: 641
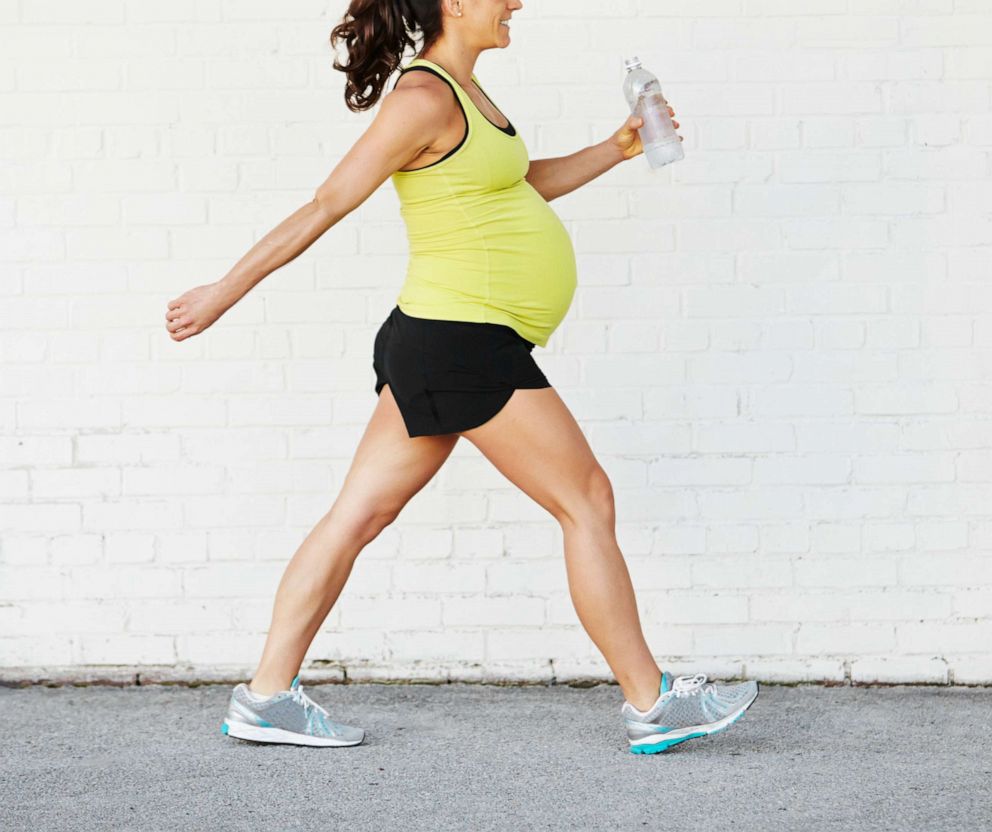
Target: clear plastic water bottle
x: 658, y: 137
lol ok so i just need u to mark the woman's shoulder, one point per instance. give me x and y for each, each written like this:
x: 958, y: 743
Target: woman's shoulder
x: 419, y: 75
x: 420, y: 90
x: 423, y: 94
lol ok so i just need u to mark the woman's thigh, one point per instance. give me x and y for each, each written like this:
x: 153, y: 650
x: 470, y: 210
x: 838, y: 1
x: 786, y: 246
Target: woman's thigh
x: 536, y: 443
x: 389, y: 466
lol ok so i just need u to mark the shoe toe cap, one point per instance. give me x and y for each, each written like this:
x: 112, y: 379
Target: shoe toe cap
x: 353, y: 734
x: 347, y: 733
x: 745, y: 691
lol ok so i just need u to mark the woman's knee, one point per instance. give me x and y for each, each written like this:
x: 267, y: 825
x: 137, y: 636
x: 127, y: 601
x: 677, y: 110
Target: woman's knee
x: 366, y: 522
x: 601, y: 493
x: 593, y: 501
x: 378, y: 521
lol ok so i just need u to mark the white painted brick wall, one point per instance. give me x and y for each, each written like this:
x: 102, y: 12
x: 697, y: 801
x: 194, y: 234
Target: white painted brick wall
x: 780, y: 348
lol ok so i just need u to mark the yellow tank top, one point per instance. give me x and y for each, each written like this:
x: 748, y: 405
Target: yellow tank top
x: 485, y: 246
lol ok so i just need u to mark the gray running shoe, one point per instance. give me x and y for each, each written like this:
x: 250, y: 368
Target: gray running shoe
x: 687, y: 708
x: 288, y: 717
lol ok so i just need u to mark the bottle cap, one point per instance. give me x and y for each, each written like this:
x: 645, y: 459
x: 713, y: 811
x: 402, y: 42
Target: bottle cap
x: 631, y: 63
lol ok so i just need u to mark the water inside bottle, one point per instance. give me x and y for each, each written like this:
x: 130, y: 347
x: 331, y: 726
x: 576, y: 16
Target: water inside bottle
x: 658, y: 136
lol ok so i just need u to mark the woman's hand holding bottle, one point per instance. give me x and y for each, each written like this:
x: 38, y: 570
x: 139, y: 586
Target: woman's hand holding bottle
x: 628, y: 140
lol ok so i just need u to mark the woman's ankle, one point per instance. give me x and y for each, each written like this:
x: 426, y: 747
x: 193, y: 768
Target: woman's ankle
x: 265, y: 688
x: 644, y: 699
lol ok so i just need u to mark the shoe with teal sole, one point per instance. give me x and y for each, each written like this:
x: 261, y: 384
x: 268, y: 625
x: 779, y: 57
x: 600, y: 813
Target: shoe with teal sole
x: 687, y: 708
x: 289, y: 716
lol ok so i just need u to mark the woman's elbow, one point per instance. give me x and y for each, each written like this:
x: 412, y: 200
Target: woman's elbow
x: 328, y: 209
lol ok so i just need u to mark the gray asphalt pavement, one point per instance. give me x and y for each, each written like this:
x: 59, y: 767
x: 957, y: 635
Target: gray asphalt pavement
x: 480, y: 757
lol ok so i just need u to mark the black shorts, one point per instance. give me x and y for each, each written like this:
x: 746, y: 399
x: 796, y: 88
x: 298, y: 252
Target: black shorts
x: 449, y: 376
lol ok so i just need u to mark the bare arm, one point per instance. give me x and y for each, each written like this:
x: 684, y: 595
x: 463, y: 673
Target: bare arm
x: 282, y: 244
x: 409, y: 120
x: 558, y: 176
x: 555, y: 177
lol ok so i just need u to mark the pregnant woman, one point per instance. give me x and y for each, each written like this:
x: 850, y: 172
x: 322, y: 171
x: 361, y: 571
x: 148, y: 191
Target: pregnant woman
x: 491, y: 274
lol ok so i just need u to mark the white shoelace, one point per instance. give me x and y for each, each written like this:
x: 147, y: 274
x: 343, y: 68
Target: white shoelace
x: 299, y: 696
x: 691, y: 685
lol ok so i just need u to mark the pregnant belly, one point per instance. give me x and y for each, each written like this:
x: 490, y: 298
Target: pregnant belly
x: 505, y: 257
x: 534, y: 252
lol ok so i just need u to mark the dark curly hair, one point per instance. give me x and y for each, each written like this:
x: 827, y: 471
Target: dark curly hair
x: 376, y: 34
